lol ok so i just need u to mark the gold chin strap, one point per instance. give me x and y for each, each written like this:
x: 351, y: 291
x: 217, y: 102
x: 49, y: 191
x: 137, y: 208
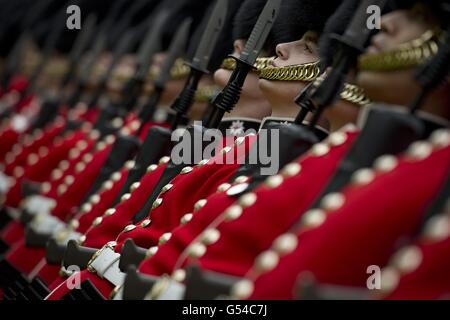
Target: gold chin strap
x: 354, y: 94
x: 179, y: 71
x: 302, y: 72
x: 350, y: 93
x: 261, y: 63
x: 408, y: 55
x: 206, y: 93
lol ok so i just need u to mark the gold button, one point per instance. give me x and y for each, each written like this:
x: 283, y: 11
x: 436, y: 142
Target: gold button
x: 95, y: 199
x: 314, y: 218
x: 46, y: 187
x: 420, y: 150
x: 151, y: 252
x: 62, y: 189
x: 179, y: 275
x: 157, y: 203
x: 117, y: 123
x: 203, y: 162
x: 274, y: 181
x: 116, y: 176
x: 408, y: 259
x: 267, y: 261
x: 247, y: 200
x: 110, y: 212
x: 80, y: 167
x: 166, y: 188
x: 241, y: 179
x: 390, y: 279
x: 199, y: 205
x: 82, y: 239
x: 125, y: 197
x: 129, y: 228
x: 350, y: 127
x: 285, y: 244
x: 234, y: 212
x: 197, y: 250
x: 291, y: 169
x: 32, y: 159
x: 87, y: 158
x: 186, y: 170
x: 18, y: 172
x: 97, y: 221
x: 441, y: 138
x: 363, y: 177
x: 239, y: 141
x: 134, y: 186
x: 164, y: 160
x: 186, y: 218
x: 152, y: 168
x: 210, y: 236
x: 320, y: 150
x: 57, y: 174
x: 337, y: 139
x: 333, y: 201
x: 110, y: 139
x: 112, y: 244
x: 94, y: 135
x: 237, y: 189
x: 101, y: 146
x: 74, y: 224
x: 69, y: 180
x: 242, y: 290
x: 386, y: 163
x: 81, y: 145
x: 146, y: 223
x: 438, y: 228
x: 164, y: 238
x: 223, y: 187
x: 129, y: 165
x: 226, y: 150
x: 87, y: 207
x: 75, y: 153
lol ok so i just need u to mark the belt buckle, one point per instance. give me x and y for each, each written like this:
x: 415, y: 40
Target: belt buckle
x: 90, y: 268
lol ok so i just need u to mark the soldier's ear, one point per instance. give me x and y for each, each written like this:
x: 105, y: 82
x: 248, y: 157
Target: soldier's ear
x: 238, y: 46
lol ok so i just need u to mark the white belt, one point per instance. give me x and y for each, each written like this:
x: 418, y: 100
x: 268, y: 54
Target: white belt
x: 63, y: 237
x: 45, y: 223
x: 174, y: 291
x: 106, y: 264
x: 37, y: 204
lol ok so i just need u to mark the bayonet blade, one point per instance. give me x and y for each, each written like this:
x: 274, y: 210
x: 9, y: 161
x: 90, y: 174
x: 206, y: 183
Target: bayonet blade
x: 151, y: 44
x: 177, y: 48
x: 209, y: 39
x: 260, y: 32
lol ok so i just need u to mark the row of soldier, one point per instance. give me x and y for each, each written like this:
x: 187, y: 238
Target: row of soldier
x: 89, y: 191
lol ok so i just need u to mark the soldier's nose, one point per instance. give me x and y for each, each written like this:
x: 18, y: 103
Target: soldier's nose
x: 282, y: 51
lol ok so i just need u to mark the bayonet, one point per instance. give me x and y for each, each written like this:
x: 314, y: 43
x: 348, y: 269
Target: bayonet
x: 228, y: 98
x: 209, y: 39
x: 199, y: 64
x: 177, y: 47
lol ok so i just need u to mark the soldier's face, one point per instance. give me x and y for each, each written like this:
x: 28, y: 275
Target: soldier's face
x: 173, y: 87
x: 397, y: 87
x: 281, y: 94
x: 250, y: 89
